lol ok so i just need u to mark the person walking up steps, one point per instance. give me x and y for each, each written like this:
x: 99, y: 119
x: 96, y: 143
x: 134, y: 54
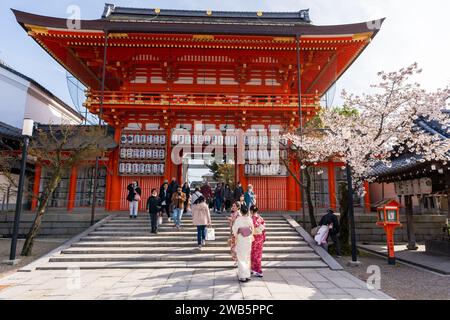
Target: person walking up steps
x: 153, y: 207
x: 243, y: 231
x: 200, y: 217
x: 134, y: 196
x: 257, y: 246
x: 178, y: 199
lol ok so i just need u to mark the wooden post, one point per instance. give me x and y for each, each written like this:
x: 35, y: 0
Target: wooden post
x: 332, y: 185
x: 410, y: 223
x: 168, y: 164
x: 72, y: 188
x: 36, y: 185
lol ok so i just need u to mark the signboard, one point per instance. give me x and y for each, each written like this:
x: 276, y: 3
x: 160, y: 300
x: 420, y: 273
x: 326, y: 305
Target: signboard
x: 413, y: 187
x: 142, y: 153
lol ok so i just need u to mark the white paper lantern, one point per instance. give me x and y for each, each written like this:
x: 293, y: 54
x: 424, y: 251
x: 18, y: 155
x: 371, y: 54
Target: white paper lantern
x: 150, y: 139
x: 122, y: 168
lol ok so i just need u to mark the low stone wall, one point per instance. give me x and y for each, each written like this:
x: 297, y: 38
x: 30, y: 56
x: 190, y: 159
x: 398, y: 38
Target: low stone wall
x: 427, y: 227
x: 54, y: 225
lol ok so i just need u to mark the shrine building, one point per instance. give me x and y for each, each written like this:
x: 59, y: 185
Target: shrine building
x: 150, y: 72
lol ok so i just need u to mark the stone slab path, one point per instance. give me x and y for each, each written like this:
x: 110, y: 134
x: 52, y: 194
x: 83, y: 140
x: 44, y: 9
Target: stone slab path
x: 184, y: 284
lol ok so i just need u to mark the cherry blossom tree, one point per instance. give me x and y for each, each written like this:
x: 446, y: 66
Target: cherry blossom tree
x: 378, y: 127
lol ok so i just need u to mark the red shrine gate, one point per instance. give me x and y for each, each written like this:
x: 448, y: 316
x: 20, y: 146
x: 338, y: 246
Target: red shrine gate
x: 150, y: 71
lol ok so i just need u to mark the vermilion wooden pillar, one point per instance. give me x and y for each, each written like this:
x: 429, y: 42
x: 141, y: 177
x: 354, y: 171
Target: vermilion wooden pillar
x: 36, y: 185
x: 291, y: 193
x: 115, y: 193
x: 168, y: 165
x: 367, y: 197
x: 72, y: 188
x: 332, y: 185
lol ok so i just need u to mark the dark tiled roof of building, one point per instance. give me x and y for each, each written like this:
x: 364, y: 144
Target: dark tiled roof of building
x: 112, y: 12
x: 10, y: 132
x: 407, y: 162
x: 44, y: 90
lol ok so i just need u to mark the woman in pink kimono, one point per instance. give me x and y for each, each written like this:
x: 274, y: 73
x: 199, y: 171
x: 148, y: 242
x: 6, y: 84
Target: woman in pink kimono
x: 235, y: 213
x: 258, y: 243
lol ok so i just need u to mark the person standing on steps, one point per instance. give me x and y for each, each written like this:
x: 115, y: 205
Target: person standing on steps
x: 187, y: 191
x: 178, y: 199
x: 257, y: 246
x: 165, y: 198
x: 243, y: 231
x: 207, y: 193
x: 173, y: 186
x: 250, y: 197
x: 133, y: 197
x: 228, y: 197
x: 153, y: 207
x: 330, y: 220
x: 238, y: 192
x: 235, y: 213
x: 218, y: 197
x: 241, y: 201
x: 200, y: 217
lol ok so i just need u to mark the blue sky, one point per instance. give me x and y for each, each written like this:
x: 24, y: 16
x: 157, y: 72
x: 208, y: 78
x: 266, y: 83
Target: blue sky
x: 415, y: 30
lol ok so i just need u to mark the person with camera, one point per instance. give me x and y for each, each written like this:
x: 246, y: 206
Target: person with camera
x: 178, y: 200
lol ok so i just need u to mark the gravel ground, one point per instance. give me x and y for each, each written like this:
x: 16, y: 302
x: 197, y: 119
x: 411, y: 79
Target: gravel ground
x: 40, y: 248
x: 401, y: 281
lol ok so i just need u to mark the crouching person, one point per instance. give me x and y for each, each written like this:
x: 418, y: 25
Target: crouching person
x: 153, y: 207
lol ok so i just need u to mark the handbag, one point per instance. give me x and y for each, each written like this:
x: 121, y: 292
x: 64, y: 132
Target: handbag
x: 314, y: 231
x: 210, y: 234
x: 137, y: 197
x: 160, y: 220
x: 245, y: 231
x: 260, y: 229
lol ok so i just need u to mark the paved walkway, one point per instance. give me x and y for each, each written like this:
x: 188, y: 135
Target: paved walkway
x: 190, y: 284
x: 440, y: 264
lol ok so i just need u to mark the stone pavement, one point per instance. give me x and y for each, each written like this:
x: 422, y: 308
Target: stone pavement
x: 184, y: 284
x: 420, y: 258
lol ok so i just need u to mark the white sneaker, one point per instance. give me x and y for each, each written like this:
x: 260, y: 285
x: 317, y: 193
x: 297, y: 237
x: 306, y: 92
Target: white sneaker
x: 169, y: 219
x: 203, y: 242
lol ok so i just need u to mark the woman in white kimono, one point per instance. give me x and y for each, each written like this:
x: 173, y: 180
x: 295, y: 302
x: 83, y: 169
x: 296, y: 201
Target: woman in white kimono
x: 243, y: 231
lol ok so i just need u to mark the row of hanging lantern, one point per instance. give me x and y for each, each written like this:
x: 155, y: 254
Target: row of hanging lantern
x: 141, y: 168
x: 265, y: 170
x: 265, y: 155
x: 129, y: 153
x: 143, y: 139
x: 252, y: 140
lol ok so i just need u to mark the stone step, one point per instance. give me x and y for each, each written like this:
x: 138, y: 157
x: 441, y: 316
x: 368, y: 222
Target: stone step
x: 158, y: 243
x: 200, y: 256
x: 176, y: 250
x: 185, y: 231
x: 190, y: 226
x: 165, y: 228
x: 177, y: 264
x: 186, y: 219
x: 175, y: 238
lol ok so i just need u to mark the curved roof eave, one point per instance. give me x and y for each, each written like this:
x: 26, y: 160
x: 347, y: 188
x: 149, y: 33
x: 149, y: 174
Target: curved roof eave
x: 25, y: 18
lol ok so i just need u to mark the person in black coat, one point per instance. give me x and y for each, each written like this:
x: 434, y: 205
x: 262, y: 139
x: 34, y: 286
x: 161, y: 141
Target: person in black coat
x: 165, y: 198
x: 332, y: 221
x: 187, y: 191
x: 238, y: 191
x: 133, y: 197
x: 153, y: 207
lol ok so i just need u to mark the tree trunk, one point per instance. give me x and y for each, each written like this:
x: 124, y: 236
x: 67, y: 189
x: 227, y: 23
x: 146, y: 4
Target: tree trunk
x: 307, y: 188
x: 43, y: 201
x: 410, y: 224
x: 344, y: 233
